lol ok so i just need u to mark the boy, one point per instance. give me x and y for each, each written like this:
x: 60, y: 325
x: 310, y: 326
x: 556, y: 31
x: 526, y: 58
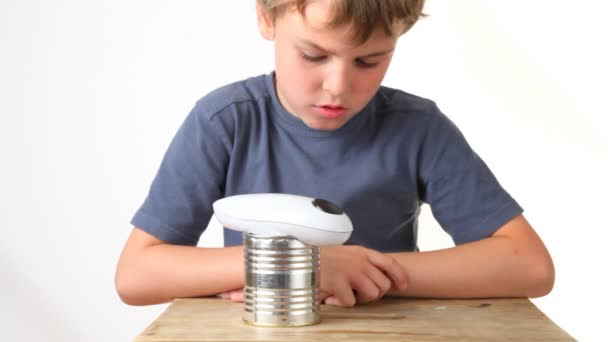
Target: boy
x: 322, y: 126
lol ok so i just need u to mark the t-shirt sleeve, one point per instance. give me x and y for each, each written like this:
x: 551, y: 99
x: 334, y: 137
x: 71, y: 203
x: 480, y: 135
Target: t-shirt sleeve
x: 191, y: 177
x: 465, y: 197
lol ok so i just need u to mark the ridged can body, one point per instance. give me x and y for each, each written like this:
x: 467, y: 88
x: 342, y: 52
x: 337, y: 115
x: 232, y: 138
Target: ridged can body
x: 281, y: 281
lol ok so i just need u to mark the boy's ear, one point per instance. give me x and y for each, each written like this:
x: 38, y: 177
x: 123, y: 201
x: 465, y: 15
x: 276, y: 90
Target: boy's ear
x: 265, y: 23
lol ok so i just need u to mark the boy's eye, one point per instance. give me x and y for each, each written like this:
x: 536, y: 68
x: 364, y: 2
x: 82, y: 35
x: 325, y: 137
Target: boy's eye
x: 363, y: 64
x: 358, y: 62
x: 312, y: 58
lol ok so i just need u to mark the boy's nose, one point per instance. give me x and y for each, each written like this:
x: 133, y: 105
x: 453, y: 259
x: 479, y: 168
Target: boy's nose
x: 336, y: 80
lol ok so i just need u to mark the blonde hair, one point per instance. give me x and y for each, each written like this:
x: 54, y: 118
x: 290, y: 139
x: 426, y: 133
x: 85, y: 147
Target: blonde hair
x: 364, y: 15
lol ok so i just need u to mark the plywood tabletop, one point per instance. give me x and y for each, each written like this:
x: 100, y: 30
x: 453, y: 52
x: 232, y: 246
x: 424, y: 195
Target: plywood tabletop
x: 390, y: 319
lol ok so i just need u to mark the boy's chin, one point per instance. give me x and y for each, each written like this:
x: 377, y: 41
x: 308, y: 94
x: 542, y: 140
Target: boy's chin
x: 322, y: 123
x: 325, y: 125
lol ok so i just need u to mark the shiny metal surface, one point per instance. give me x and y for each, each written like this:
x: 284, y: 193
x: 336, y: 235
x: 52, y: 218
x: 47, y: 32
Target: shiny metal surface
x: 281, y: 281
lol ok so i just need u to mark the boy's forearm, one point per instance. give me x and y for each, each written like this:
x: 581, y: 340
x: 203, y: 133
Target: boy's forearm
x: 488, y: 268
x: 163, y: 272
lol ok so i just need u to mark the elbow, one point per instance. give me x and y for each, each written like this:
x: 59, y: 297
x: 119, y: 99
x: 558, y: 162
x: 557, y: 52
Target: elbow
x: 134, y: 280
x: 126, y: 295
x: 137, y: 290
x: 131, y: 287
x: 127, y: 290
x: 541, y: 277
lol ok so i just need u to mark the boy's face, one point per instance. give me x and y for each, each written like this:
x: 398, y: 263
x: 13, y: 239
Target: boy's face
x: 322, y: 77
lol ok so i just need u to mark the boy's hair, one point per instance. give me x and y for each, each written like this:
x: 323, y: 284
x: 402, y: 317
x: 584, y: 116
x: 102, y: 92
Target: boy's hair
x: 364, y: 15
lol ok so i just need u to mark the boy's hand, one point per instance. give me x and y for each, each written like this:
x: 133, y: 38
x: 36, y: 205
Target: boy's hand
x: 355, y: 274
x: 350, y: 275
x: 234, y: 295
x: 238, y: 295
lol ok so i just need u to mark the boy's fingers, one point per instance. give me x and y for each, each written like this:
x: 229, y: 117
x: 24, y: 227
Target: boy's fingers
x: 233, y: 295
x: 331, y: 300
x: 342, y: 295
x: 391, y: 267
x: 366, y: 290
x: 237, y: 296
x: 380, y: 279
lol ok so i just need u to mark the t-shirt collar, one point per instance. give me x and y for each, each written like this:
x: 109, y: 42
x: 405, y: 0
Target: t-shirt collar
x: 297, y: 126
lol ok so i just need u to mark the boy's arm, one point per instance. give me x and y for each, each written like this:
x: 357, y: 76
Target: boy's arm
x: 513, y: 262
x: 150, y: 271
x: 351, y: 275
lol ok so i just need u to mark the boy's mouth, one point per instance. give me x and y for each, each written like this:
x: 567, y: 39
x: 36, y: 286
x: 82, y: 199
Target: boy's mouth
x: 330, y: 111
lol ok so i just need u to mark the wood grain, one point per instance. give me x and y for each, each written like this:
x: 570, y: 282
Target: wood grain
x: 391, y: 319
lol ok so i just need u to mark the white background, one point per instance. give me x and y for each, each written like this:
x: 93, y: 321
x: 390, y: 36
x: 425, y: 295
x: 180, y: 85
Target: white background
x: 91, y: 92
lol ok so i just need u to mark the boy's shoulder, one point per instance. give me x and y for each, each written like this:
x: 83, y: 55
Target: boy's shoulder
x: 250, y: 90
x: 396, y: 101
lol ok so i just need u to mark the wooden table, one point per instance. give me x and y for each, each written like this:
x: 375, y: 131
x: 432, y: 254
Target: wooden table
x: 391, y: 319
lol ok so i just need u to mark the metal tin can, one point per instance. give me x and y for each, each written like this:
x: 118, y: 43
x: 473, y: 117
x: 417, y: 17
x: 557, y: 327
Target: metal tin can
x: 281, y: 281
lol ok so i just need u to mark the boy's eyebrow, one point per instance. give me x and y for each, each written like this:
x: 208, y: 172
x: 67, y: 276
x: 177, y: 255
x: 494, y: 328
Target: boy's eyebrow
x: 373, y: 54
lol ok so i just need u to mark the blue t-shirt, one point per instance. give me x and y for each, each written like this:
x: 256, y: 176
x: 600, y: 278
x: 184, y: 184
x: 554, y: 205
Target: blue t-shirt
x: 400, y: 151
